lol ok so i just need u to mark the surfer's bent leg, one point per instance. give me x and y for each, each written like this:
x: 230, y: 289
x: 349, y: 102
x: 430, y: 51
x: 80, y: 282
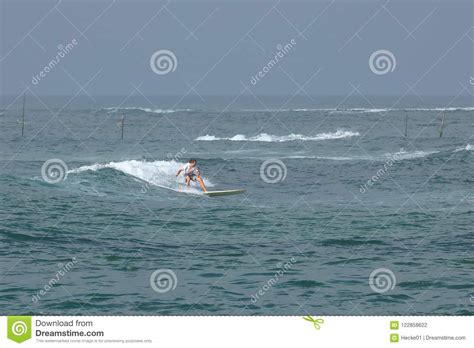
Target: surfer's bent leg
x: 201, y: 183
x: 187, y: 179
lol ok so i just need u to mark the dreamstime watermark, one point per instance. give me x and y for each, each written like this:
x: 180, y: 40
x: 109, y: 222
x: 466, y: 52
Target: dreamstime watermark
x: 273, y: 171
x: 63, y: 270
x: 54, y: 170
x: 382, y: 280
x: 163, y: 280
x: 282, y: 51
x: 382, y: 171
x: 19, y: 328
x: 146, y: 185
x: 470, y: 199
x: 283, y: 268
x: 178, y: 155
x: 163, y: 62
x: 63, y: 51
x: 471, y: 80
x: 382, y: 62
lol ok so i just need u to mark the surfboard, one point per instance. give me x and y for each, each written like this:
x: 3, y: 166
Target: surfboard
x: 223, y: 193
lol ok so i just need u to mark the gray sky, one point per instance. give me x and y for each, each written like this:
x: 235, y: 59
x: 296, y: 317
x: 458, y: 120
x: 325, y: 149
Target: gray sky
x: 220, y: 45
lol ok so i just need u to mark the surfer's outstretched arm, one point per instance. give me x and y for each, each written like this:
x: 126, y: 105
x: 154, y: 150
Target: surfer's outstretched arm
x: 179, y: 171
x: 201, y: 183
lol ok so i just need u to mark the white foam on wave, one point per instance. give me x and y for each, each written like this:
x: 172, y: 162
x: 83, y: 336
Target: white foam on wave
x: 372, y: 110
x: 208, y: 138
x: 157, y: 173
x: 154, y: 111
x: 306, y: 110
x: 330, y: 110
x: 359, y: 110
x: 407, y: 155
x: 386, y: 110
x: 469, y: 108
x: 468, y: 147
x: 336, y: 158
x: 397, y: 156
x: 264, y: 137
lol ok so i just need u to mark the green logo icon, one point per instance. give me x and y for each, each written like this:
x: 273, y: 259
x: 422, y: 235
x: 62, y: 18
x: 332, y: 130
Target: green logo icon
x: 394, y: 325
x: 393, y: 338
x: 316, y: 322
x: 19, y: 328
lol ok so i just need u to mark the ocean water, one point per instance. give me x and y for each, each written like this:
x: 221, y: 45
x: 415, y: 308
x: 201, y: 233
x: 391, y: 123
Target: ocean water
x: 342, y: 213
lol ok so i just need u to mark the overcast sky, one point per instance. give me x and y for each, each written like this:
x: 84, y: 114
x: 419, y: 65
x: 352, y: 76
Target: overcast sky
x: 220, y: 45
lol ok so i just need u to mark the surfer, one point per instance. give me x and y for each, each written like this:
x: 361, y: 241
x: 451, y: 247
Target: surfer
x: 192, y: 172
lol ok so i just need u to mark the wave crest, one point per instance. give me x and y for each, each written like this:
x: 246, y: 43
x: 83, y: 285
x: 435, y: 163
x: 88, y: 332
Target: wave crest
x: 264, y: 137
x: 149, y: 110
x: 468, y: 147
x: 156, y: 173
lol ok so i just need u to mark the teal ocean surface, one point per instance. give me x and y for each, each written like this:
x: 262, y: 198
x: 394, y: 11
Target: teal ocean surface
x: 349, y: 209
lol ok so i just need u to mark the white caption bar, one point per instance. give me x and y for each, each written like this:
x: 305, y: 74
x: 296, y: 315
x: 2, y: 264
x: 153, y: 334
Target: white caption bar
x: 291, y: 331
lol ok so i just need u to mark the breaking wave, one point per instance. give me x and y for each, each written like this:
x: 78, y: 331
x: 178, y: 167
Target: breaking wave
x: 150, y: 110
x: 156, y: 173
x: 264, y: 137
x: 468, y: 147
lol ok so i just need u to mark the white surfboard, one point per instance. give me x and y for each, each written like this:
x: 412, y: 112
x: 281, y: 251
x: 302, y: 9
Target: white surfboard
x: 223, y: 193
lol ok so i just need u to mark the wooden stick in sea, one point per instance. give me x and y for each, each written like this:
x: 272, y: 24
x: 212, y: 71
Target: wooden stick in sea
x: 406, y: 124
x: 23, y: 117
x: 441, y: 128
x: 122, y: 125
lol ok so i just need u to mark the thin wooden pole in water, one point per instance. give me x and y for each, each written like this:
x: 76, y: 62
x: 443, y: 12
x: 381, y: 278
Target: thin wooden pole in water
x: 23, y: 118
x: 442, y: 126
x: 122, y: 125
x: 406, y: 124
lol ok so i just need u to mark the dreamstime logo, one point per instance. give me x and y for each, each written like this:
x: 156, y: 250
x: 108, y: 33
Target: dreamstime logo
x: 471, y: 80
x: 63, y: 270
x: 470, y: 199
x: 54, y: 171
x: 178, y: 155
x: 382, y: 280
x: 163, y: 61
x: 282, y: 51
x: 63, y: 50
x: 146, y: 186
x: 282, y: 269
x: 273, y: 171
x: 382, y: 171
x: 19, y: 328
x: 163, y: 280
x: 382, y: 62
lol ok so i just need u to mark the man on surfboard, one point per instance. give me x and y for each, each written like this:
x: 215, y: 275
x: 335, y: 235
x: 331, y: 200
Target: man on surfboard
x: 191, y: 172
